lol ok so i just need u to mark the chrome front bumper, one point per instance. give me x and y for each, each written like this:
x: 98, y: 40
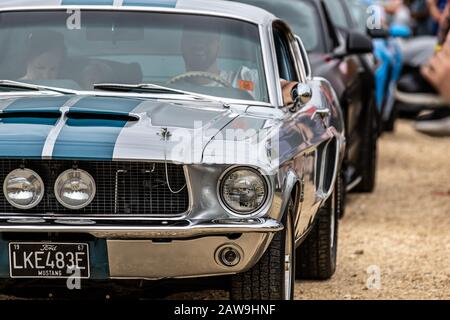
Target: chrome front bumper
x: 141, y: 229
x: 188, y: 249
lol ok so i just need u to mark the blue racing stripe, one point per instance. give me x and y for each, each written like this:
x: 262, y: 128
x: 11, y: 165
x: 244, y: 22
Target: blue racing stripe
x: 151, y: 3
x: 93, y: 139
x: 24, y: 137
x: 37, y: 104
x: 87, y: 2
x: 119, y: 106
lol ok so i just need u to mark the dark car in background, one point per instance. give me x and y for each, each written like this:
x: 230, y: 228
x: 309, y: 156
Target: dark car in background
x: 344, y: 58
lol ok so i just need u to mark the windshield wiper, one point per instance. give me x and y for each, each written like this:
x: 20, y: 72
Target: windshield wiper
x: 22, y: 86
x: 143, y: 87
x: 150, y: 88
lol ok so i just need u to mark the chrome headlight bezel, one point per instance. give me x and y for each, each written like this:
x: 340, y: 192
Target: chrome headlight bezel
x: 242, y: 214
x: 62, y: 178
x: 38, y: 198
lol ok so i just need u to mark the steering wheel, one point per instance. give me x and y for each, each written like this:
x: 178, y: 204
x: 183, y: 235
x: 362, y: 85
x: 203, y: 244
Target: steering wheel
x: 202, y: 75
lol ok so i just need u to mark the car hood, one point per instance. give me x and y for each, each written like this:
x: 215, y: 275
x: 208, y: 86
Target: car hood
x: 74, y: 127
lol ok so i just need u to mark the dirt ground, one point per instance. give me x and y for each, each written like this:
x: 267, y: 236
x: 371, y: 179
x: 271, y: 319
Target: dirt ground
x: 402, y: 229
x: 394, y: 243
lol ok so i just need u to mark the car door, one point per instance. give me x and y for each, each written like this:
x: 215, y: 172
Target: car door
x: 304, y: 132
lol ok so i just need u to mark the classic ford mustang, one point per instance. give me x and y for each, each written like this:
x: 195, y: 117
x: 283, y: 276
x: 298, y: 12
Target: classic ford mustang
x: 150, y: 139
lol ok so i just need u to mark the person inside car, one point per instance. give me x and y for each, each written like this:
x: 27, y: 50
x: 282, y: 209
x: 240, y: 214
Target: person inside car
x: 45, y: 54
x: 200, y: 52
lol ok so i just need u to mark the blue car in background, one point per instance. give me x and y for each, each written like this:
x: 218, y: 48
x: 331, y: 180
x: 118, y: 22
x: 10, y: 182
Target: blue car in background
x: 388, y: 53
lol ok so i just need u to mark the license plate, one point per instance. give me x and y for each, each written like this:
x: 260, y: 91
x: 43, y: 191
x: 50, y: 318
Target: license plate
x: 48, y: 260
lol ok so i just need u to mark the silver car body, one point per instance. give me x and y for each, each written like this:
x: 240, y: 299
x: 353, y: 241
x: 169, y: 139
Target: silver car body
x: 309, y: 154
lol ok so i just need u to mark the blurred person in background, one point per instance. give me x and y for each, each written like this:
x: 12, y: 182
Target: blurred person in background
x: 436, y: 8
x: 421, y: 17
x: 426, y: 85
x: 437, y: 72
x: 399, y: 13
x: 444, y: 25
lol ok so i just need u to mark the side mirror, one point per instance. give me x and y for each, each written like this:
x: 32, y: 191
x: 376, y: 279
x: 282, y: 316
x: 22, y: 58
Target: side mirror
x: 358, y: 43
x: 301, y: 95
x: 378, y: 33
x: 399, y: 31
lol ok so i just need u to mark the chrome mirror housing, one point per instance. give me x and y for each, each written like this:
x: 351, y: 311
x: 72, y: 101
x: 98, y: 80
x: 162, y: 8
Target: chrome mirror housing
x: 301, y: 95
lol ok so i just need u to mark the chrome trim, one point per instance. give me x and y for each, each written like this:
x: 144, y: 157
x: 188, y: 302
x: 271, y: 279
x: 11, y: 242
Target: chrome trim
x: 353, y: 184
x: 136, y: 9
x: 303, y: 57
x: 276, y: 73
x: 172, y: 97
x: 269, y: 70
x: 61, y: 217
x: 15, y: 94
x: 142, y: 231
x: 335, y: 168
x: 116, y: 188
x: 188, y: 180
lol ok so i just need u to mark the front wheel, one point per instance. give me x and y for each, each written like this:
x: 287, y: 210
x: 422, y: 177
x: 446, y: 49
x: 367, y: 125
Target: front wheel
x: 273, y: 277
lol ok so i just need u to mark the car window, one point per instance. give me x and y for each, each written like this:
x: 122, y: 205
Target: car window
x: 337, y: 13
x: 134, y: 47
x: 284, y: 58
x: 302, y: 16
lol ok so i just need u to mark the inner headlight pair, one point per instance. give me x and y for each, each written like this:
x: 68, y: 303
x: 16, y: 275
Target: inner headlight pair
x: 243, y: 190
x: 24, y: 189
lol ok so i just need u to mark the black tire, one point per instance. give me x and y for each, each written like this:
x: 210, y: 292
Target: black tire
x: 316, y: 256
x: 266, y: 280
x: 341, y: 197
x: 368, y: 163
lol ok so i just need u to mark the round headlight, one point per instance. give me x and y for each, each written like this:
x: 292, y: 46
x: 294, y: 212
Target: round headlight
x: 243, y: 190
x: 23, y: 188
x: 75, y: 189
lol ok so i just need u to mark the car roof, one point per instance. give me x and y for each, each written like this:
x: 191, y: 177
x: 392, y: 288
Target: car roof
x: 213, y: 7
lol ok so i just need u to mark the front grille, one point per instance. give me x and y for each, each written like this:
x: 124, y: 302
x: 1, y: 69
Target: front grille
x: 123, y: 188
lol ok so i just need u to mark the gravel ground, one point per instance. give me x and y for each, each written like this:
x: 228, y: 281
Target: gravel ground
x: 401, y: 230
x: 394, y: 243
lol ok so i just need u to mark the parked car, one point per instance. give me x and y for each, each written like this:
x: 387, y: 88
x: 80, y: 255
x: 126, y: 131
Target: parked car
x: 388, y: 52
x: 339, y: 13
x: 336, y: 57
x: 172, y: 170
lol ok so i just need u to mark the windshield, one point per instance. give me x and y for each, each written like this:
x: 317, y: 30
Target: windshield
x: 301, y: 16
x: 203, y: 54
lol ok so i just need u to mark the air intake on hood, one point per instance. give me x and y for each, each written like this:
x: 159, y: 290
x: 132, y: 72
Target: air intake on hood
x: 78, y: 115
